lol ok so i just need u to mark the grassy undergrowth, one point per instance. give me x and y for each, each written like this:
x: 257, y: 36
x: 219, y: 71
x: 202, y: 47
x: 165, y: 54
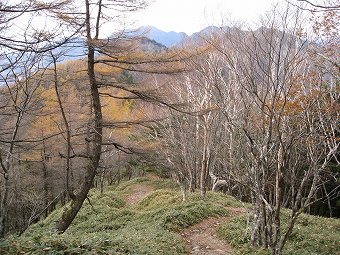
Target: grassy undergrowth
x: 312, y: 235
x: 112, y: 227
x: 151, y: 226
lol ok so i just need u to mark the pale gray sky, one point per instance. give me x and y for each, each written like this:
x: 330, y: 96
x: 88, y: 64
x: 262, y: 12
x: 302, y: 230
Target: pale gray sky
x: 187, y: 16
x: 192, y: 15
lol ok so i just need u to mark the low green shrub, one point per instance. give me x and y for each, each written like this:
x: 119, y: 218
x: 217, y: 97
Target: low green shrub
x: 108, y: 226
x: 311, y: 235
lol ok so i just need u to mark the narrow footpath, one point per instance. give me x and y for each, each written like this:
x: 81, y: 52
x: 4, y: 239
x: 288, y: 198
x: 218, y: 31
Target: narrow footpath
x: 200, y: 239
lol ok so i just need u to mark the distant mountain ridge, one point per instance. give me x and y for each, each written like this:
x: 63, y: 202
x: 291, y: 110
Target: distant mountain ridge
x: 168, y: 39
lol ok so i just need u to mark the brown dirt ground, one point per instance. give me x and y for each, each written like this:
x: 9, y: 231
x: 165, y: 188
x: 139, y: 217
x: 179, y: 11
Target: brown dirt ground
x: 201, y: 239
x: 152, y: 176
x: 138, y: 193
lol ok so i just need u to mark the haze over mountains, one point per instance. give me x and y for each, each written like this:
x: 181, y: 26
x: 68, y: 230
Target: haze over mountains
x: 153, y: 39
x: 170, y: 39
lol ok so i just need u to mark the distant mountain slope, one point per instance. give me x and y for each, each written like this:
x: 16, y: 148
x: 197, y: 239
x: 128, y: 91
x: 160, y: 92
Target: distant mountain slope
x: 166, y: 38
x: 150, y: 45
x: 206, y: 32
x: 77, y: 49
x: 172, y: 38
x: 199, y: 38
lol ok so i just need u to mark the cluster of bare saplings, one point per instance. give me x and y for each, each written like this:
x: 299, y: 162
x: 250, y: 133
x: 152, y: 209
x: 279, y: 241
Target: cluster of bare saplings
x: 254, y: 113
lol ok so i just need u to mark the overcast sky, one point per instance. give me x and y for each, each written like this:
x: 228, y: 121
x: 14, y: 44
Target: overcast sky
x: 187, y: 16
x: 192, y: 15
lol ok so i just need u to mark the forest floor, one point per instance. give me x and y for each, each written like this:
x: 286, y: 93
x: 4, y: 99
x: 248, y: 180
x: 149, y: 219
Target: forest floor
x: 146, y: 215
x: 201, y: 238
x: 141, y: 191
x: 138, y: 193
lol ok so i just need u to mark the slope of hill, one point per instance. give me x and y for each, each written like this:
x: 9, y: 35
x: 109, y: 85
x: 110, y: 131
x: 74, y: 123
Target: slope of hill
x: 206, y: 32
x: 166, y: 38
x: 170, y: 39
x: 147, y: 216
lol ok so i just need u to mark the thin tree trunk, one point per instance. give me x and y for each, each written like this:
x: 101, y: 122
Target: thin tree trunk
x: 277, y: 222
x: 183, y: 187
x: 6, y: 169
x: 69, y: 215
x: 328, y: 200
x: 197, y: 138
x: 203, y: 187
x: 68, y: 132
x: 45, y: 172
x: 101, y: 183
x: 4, y: 204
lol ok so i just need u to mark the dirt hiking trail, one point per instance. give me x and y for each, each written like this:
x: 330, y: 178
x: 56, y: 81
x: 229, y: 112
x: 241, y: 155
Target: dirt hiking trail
x: 200, y: 239
x: 137, y: 194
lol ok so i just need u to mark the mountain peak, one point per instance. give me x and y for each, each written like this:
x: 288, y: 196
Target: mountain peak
x: 168, y: 39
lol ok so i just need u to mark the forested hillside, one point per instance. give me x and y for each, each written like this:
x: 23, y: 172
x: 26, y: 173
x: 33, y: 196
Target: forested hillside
x: 237, y: 128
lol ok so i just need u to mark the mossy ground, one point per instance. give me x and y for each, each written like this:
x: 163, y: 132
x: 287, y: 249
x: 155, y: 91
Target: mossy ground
x: 113, y: 227
x: 151, y: 226
x: 312, y: 235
